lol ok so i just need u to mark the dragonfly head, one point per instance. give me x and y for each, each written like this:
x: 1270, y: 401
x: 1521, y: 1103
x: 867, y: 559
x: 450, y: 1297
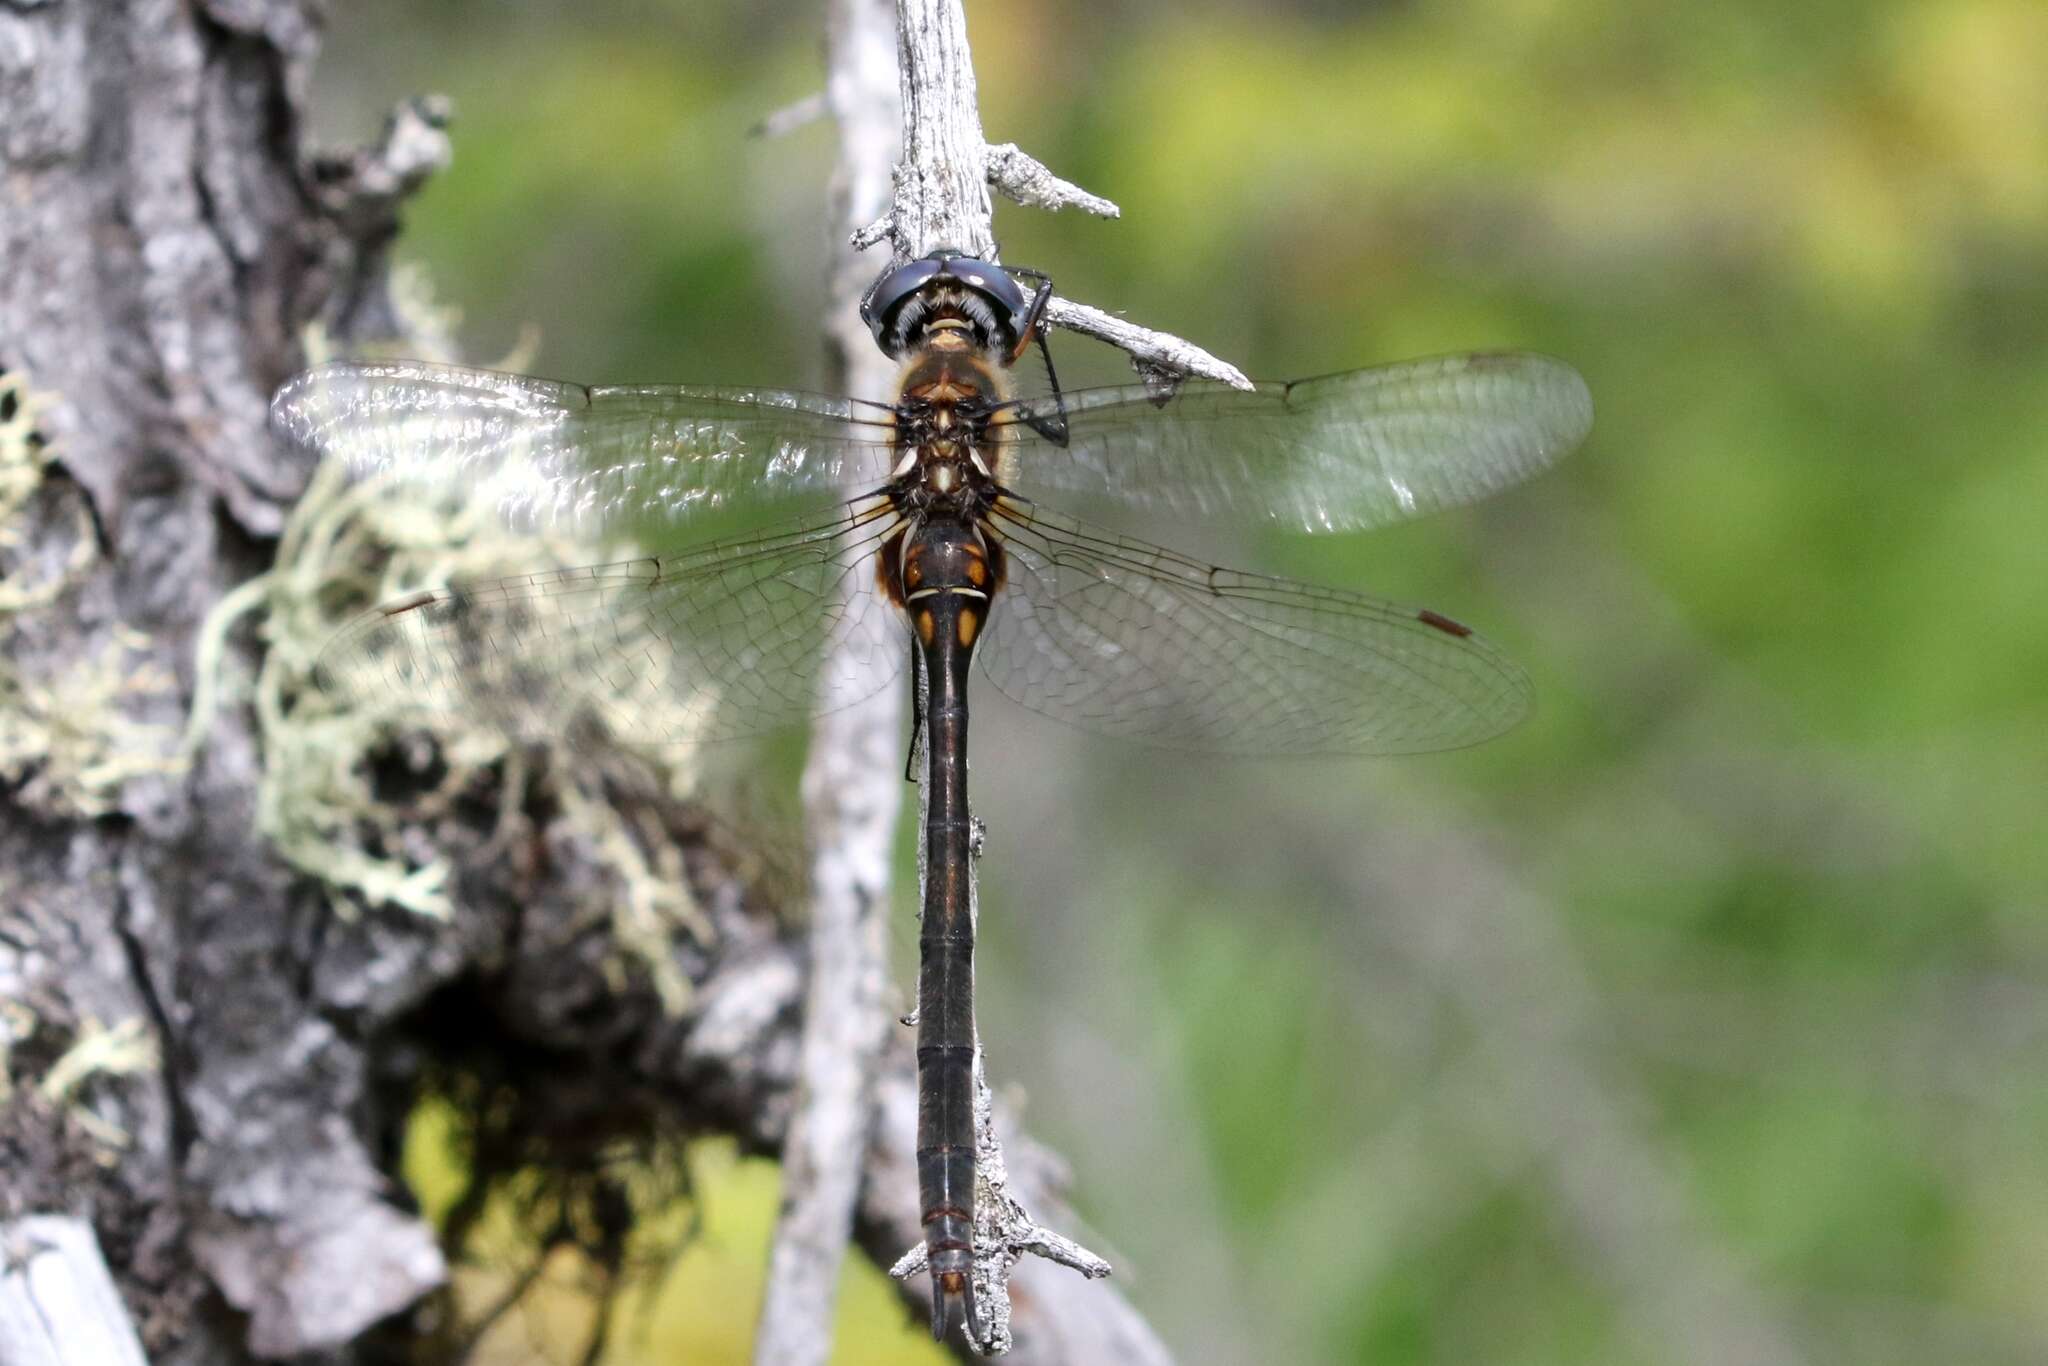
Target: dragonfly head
x: 946, y: 293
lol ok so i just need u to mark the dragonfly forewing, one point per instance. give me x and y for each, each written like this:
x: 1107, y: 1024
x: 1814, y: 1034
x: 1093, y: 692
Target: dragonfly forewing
x: 608, y: 462
x: 1341, y: 453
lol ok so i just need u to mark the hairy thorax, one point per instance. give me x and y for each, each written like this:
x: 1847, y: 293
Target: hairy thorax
x: 945, y: 480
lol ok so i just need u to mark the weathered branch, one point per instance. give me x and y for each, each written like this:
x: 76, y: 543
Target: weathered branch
x: 851, y: 792
x: 1059, y: 1319
x: 942, y: 199
x: 361, y: 190
x: 1023, y: 179
x: 943, y: 182
x: 938, y: 196
x: 1004, y: 1230
x: 1160, y: 357
x: 797, y: 114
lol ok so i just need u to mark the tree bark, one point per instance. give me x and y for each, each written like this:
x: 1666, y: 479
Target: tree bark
x: 163, y: 246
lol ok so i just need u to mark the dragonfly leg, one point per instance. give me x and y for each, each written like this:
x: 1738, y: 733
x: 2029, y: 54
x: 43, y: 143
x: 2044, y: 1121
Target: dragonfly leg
x: 915, y: 759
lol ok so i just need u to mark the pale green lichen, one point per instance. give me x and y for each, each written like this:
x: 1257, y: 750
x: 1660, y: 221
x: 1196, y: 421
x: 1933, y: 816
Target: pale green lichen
x: 68, y: 744
x: 655, y: 894
x: 23, y: 458
x: 346, y: 546
x: 128, y: 1049
x: 69, y: 741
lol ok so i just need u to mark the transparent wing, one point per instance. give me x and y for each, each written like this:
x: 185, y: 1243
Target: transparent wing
x: 1340, y: 453
x: 1117, y: 636
x: 715, y: 643
x: 593, y: 461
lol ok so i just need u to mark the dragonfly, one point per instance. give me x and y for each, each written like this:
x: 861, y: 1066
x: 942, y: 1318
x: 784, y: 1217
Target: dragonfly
x: 954, y: 553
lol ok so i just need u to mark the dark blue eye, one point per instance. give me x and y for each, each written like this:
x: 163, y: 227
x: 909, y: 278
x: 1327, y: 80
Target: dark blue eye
x: 886, y: 308
x: 893, y: 289
x: 993, y: 282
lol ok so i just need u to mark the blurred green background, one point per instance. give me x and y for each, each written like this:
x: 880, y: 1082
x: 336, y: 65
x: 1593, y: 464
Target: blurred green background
x: 1699, y: 1021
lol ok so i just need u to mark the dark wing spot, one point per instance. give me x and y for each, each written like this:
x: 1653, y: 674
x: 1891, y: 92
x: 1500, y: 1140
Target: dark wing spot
x: 411, y: 603
x: 1443, y: 623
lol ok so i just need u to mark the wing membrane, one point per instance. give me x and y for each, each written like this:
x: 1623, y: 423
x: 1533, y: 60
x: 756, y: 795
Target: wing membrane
x: 1128, y: 639
x: 712, y: 644
x: 1340, y: 453
x: 594, y: 461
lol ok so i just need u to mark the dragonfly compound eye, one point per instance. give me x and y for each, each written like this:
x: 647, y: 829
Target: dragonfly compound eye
x: 906, y: 299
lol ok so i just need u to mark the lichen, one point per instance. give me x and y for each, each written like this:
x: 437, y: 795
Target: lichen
x: 68, y: 745
x: 71, y: 1057
x: 127, y: 1049
x: 346, y: 546
x: 24, y: 455
x: 69, y: 739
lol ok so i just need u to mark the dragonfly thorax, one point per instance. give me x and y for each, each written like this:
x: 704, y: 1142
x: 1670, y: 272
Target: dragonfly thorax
x: 946, y: 401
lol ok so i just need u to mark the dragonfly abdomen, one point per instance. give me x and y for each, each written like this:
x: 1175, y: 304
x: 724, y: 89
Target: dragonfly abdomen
x: 947, y: 587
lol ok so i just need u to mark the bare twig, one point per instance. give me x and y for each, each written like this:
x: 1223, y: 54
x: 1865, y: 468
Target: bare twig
x: 1023, y: 179
x: 736, y: 1055
x: 1150, y: 351
x: 798, y: 114
x: 942, y: 199
x: 364, y: 187
x: 1060, y: 1319
x: 943, y: 182
x: 851, y: 796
